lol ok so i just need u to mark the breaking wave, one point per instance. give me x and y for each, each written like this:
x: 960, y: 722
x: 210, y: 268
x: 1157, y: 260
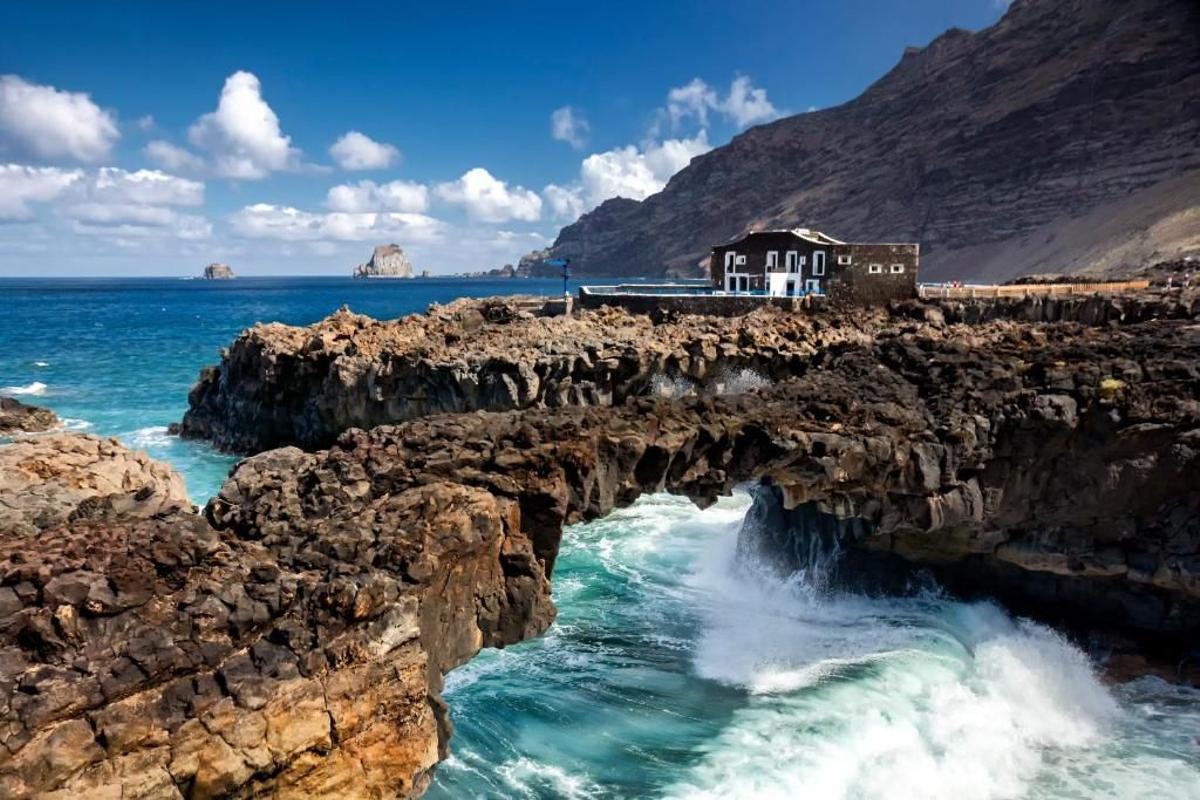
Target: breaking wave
x: 36, y: 388
x: 680, y: 668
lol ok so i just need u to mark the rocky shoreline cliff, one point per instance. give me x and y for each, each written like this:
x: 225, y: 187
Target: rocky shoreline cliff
x: 291, y: 641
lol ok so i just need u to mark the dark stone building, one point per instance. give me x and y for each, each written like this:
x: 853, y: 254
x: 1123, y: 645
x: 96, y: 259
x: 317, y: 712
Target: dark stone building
x: 798, y: 262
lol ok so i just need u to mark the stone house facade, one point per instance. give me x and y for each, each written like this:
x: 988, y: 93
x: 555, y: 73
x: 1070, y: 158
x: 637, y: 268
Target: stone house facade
x: 799, y: 262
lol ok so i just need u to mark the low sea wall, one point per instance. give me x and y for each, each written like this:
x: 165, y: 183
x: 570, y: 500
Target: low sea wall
x: 720, y: 305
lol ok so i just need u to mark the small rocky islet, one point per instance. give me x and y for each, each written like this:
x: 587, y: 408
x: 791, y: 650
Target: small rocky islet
x: 407, y: 492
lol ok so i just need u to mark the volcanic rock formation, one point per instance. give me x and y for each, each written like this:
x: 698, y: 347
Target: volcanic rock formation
x: 218, y: 272
x: 387, y: 261
x: 17, y: 417
x: 1062, y: 138
x: 292, y: 642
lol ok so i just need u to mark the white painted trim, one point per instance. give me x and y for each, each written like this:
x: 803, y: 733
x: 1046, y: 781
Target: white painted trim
x: 843, y: 260
x: 791, y: 260
x: 818, y: 265
x: 897, y: 269
x: 875, y: 269
x: 812, y: 285
x: 772, y: 259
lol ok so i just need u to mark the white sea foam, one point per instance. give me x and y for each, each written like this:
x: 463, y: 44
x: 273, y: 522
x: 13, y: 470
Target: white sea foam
x: 153, y: 436
x: 852, y: 697
x: 36, y: 388
x: 530, y: 778
x: 41, y: 363
x: 73, y: 424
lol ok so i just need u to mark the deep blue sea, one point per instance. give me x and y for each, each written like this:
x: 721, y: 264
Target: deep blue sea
x: 674, y: 670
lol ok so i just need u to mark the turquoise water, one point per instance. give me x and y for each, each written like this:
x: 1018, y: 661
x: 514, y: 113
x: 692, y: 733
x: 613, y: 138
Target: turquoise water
x: 674, y: 670
x: 117, y: 356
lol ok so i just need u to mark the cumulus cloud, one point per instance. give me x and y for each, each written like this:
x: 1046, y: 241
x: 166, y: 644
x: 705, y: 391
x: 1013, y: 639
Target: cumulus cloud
x: 366, y: 196
x: 566, y: 125
x: 243, y: 134
x: 266, y: 221
x: 355, y: 150
x: 744, y: 105
x: 21, y: 185
x: 45, y: 122
x: 566, y: 202
x: 748, y: 105
x: 488, y: 199
x: 117, y: 203
x: 173, y: 157
x: 635, y: 172
x: 630, y: 171
x: 145, y: 187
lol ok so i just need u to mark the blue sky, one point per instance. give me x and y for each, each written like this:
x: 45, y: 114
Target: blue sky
x: 152, y: 138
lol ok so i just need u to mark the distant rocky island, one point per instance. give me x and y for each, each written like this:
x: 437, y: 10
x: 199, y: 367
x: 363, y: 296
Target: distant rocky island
x: 218, y: 272
x: 387, y: 261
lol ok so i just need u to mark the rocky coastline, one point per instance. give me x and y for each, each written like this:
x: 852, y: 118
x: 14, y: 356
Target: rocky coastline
x: 291, y: 641
x: 17, y: 417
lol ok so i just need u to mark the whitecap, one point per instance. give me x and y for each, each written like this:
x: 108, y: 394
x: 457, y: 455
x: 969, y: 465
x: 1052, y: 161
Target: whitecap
x: 532, y: 778
x: 73, y: 424
x: 36, y: 388
x: 153, y: 436
x: 41, y: 363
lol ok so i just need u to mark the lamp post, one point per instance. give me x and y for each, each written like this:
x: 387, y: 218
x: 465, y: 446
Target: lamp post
x: 565, y: 263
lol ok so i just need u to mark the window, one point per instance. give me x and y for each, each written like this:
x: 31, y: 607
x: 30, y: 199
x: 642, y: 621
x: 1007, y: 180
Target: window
x: 875, y: 269
x: 818, y: 263
x: 730, y: 258
x: 843, y: 260
x: 790, y: 260
x: 741, y: 261
x: 897, y: 269
x: 772, y: 259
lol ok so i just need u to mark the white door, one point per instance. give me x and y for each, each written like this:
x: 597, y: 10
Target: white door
x: 812, y: 286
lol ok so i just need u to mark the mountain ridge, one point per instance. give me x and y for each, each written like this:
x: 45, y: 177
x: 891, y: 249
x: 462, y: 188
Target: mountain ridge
x: 1022, y: 146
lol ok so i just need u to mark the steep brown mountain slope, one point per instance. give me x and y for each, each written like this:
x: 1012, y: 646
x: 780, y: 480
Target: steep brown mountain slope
x: 1064, y: 138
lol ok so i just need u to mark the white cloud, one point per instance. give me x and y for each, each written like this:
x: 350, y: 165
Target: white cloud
x: 173, y: 157
x: 355, y: 150
x: 21, y: 185
x: 566, y: 202
x: 140, y: 226
x: 747, y: 105
x: 45, y: 122
x: 694, y: 99
x: 488, y: 199
x: 370, y: 196
x: 243, y: 134
x: 637, y: 173
x: 568, y: 126
x: 266, y: 221
x: 146, y: 122
x: 145, y: 187
x: 744, y: 105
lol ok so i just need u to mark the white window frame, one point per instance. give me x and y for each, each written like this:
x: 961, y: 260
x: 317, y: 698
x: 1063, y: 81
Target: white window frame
x: 730, y: 261
x: 897, y: 269
x: 812, y: 286
x: 791, y: 260
x: 740, y: 261
x: 772, y: 259
x: 843, y: 260
x: 818, y: 265
x: 875, y: 269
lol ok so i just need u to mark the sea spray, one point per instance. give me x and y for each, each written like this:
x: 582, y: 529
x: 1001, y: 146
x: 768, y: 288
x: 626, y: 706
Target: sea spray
x: 680, y: 667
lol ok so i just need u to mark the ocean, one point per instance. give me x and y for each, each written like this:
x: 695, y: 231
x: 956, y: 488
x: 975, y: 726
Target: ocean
x: 674, y: 670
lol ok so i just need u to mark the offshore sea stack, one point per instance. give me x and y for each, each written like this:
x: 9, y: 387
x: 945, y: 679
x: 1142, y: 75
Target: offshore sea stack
x: 387, y: 261
x: 218, y: 272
